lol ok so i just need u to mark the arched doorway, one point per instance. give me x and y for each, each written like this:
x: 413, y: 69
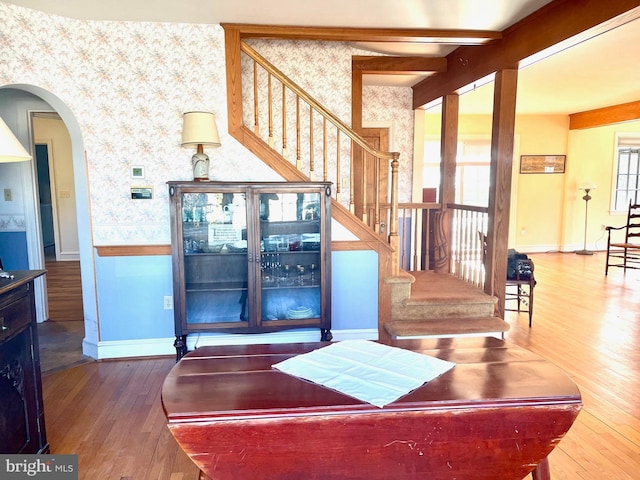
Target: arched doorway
x: 15, y: 105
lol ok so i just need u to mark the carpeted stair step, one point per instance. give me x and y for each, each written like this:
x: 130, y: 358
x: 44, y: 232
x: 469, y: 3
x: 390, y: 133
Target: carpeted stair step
x: 426, y: 294
x: 415, y: 310
x: 447, y: 327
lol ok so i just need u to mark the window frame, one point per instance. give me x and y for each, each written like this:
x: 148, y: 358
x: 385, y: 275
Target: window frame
x: 460, y: 165
x: 622, y: 140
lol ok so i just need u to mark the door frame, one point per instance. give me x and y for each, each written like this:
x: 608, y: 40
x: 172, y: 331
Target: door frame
x: 389, y: 127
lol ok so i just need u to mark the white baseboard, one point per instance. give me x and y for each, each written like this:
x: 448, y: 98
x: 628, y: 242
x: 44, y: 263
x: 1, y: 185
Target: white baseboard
x: 68, y: 256
x: 556, y: 248
x: 90, y: 349
x: 164, y: 346
x: 538, y: 248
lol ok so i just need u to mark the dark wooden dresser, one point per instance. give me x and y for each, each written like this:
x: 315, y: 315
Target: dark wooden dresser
x: 22, y: 428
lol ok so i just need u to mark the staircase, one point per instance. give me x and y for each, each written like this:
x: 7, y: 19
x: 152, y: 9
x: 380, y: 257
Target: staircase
x: 429, y: 304
x: 423, y: 303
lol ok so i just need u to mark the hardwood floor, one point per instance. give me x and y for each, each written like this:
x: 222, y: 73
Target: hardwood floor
x: 60, y: 337
x: 589, y: 325
x: 109, y: 412
x: 60, y: 345
x: 64, y: 291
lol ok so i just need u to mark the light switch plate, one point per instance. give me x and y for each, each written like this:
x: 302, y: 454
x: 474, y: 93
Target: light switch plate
x: 8, y: 195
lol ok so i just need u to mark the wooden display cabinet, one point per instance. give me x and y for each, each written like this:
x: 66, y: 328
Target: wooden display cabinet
x: 250, y: 257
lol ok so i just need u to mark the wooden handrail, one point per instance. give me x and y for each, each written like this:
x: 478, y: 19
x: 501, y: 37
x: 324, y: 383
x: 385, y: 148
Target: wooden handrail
x: 315, y: 104
x: 356, y: 139
x: 468, y: 208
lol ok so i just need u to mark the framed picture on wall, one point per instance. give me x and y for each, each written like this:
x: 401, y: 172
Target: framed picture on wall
x: 542, y: 163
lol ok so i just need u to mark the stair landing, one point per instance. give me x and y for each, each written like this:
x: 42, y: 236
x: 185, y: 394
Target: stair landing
x: 441, y: 287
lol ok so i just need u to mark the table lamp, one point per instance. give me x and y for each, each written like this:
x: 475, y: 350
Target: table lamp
x: 11, y: 150
x: 199, y: 130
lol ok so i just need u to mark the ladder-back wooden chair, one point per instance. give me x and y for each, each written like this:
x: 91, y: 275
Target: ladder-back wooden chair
x: 520, y: 280
x: 625, y: 254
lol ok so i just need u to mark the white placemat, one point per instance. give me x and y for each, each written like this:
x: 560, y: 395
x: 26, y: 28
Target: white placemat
x: 366, y: 370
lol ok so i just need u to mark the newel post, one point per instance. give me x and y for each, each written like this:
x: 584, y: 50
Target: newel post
x: 394, y: 240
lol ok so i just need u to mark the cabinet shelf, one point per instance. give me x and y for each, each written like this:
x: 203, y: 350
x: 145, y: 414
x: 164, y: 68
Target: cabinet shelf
x: 290, y: 287
x: 282, y: 228
x: 215, y: 286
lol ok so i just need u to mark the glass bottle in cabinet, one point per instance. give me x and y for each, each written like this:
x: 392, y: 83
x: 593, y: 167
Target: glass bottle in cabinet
x: 250, y: 257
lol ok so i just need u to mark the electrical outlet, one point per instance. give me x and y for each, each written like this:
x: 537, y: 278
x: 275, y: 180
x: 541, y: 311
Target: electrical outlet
x: 168, y: 302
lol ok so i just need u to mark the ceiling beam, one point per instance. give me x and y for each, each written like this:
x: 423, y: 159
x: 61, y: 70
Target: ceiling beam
x: 556, y: 26
x: 624, y: 112
x: 347, y: 34
x: 390, y: 65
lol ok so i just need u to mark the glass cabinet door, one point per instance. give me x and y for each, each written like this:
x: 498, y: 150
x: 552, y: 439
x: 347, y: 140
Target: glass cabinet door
x: 290, y: 256
x: 214, y: 232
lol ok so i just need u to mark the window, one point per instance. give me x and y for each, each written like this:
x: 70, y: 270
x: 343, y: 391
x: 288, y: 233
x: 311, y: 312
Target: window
x: 627, y: 180
x: 472, y: 170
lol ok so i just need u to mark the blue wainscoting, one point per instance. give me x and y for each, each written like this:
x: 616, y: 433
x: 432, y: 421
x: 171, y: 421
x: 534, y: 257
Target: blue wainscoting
x: 13, y: 250
x: 131, y: 294
x: 354, y: 291
x: 133, y: 320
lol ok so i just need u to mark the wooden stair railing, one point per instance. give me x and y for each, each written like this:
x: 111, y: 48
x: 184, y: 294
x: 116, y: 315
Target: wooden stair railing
x: 467, y: 251
x: 305, y: 140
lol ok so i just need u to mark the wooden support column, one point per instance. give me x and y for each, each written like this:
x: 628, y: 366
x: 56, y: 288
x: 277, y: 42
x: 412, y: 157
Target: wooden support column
x: 448, y: 154
x: 356, y: 99
x: 357, y: 190
x: 504, y: 115
x: 449, y: 148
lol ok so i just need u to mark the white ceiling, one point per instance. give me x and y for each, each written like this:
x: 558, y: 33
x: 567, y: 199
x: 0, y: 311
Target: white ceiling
x: 600, y: 72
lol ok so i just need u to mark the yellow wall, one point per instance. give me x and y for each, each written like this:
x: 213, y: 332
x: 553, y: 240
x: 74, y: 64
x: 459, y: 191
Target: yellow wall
x: 54, y: 133
x: 593, y: 151
x: 538, y: 198
x: 549, y: 209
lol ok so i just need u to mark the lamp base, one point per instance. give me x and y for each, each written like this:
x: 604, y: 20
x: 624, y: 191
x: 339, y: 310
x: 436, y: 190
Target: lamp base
x: 200, y: 167
x: 584, y: 252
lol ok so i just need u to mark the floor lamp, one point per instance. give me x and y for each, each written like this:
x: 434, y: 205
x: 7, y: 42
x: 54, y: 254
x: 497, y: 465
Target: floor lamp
x: 587, y: 188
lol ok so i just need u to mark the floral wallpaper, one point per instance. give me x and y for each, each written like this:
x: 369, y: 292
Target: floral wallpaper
x: 128, y: 84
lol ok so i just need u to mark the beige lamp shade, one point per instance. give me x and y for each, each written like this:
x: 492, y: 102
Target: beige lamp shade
x: 11, y: 150
x: 199, y: 128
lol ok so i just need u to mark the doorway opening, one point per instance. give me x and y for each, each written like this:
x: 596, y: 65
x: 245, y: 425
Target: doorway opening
x: 46, y: 206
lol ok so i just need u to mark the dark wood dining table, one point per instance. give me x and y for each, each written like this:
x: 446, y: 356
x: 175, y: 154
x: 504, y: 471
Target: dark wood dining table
x: 496, y: 415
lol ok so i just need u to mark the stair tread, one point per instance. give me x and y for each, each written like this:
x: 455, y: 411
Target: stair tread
x: 442, y: 326
x: 432, y: 287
